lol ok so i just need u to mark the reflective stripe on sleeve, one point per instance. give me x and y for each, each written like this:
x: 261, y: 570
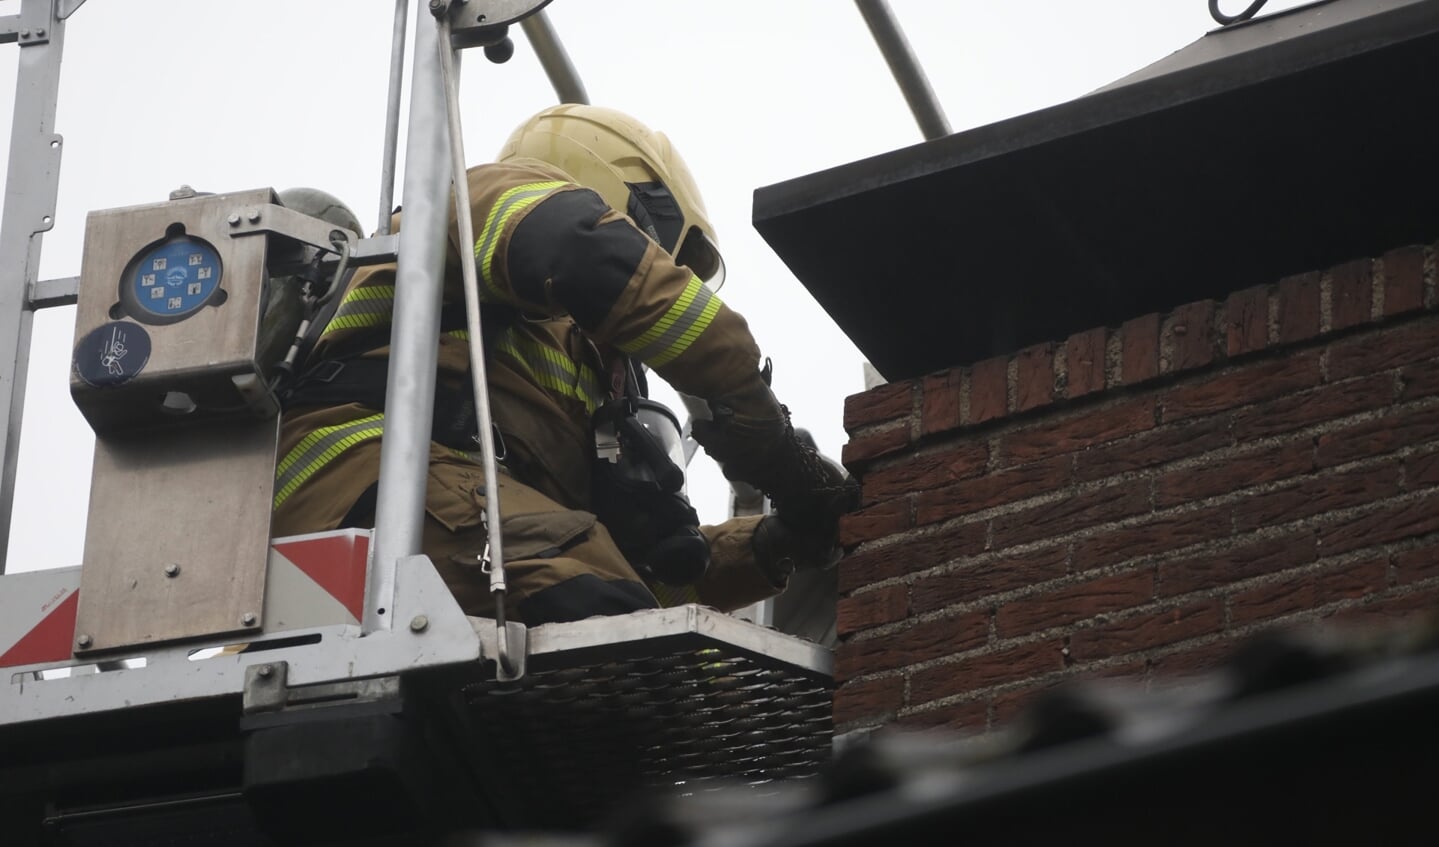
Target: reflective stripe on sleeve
x: 510, y: 202
x: 672, y: 334
x: 368, y: 305
x: 320, y: 448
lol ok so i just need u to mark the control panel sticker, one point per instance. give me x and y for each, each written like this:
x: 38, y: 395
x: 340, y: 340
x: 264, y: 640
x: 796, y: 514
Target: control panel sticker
x: 171, y: 280
x: 112, y: 354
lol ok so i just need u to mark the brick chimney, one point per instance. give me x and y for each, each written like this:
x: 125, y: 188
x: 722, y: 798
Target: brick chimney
x: 1133, y: 500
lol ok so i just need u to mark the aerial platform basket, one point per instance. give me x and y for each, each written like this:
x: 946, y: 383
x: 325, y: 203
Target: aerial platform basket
x: 680, y: 699
x: 310, y: 704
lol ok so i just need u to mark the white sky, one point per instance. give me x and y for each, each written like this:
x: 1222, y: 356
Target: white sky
x: 227, y: 96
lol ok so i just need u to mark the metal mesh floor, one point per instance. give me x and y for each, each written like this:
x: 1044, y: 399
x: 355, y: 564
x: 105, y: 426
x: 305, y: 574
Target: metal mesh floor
x: 681, y: 699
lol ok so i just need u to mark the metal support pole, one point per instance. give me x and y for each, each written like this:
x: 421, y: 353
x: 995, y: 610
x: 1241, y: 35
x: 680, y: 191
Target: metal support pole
x: 905, y: 67
x: 392, y: 116
x: 32, y: 182
x: 554, y: 59
x: 494, y: 556
x: 414, y: 340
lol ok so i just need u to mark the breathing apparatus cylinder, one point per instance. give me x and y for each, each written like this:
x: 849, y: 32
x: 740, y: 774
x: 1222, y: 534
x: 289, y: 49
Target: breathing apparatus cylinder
x: 639, y: 491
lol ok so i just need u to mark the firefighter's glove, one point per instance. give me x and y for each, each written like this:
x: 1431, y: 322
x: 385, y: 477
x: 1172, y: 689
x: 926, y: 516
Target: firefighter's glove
x: 780, y: 549
x: 754, y: 442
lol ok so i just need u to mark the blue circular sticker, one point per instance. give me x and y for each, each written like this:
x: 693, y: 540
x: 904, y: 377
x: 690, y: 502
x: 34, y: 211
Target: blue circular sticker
x: 112, y: 354
x: 171, y: 280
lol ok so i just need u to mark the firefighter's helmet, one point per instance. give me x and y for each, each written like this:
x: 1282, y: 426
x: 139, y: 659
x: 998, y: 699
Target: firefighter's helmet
x: 323, y: 205
x: 634, y: 168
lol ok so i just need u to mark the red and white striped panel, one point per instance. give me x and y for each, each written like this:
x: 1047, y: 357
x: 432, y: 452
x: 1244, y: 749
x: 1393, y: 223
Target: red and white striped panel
x: 37, y: 616
x: 316, y: 579
x: 312, y: 580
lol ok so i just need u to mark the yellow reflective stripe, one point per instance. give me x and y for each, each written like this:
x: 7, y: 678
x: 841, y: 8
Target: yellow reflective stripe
x: 687, y: 318
x: 318, y: 449
x: 510, y: 202
x: 462, y: 334
x: 368, y: 305
x: 551, y: 369
x: 674, y: 595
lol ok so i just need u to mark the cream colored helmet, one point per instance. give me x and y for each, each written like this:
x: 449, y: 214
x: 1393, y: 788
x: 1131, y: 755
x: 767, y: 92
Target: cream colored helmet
x: 633, y: 168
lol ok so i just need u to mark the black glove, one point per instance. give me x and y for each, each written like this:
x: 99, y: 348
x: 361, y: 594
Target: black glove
x: 780, y: 549
x: 757, y: 444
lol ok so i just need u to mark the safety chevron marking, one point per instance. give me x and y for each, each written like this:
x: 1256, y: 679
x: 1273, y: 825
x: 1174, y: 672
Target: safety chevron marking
x: 49, y: 641
x: 334, y: 561
x: 40, y: 619
x: 312, y: 580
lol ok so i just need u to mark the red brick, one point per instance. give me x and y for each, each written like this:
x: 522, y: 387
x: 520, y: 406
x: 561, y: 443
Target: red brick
x: 1034, y: 377
x: 1421, y: 469
x: 1010, y: 705
x: 1389, y: 523
x: 1084, y: 362
x: 1351, y: 294
x: 988, y: 390
x: 1379, y: 436
x: 919, y: 643
x: 874, y: 522
x: 1159, y: 535
x: 1246, y: 321
x: 1403, y: 275
x: 1298, y: 307
x: 1222, y: 567
x: 1080, y: 511
x: 915, y: 552
x: 884, y: 403
x: 1308, y: 591
x: 1146, y: 631
x: 1317, y: 495
x: 1417, y: 565
x: 1007, y: 486
x: 1139, y: 349
x: 1326, y: 403
x: 862, y: 449
x: 926, y: 471
x: 1384, y: 610
x: 1421, y: 380
x: 1241, y: 386
x: 969, y: 716
x: 1077, y: 431
x: 1382, y: 350
x: 974, y: 582
x: 1071, y: 603
x: 986, y: 670
x: 1234, y: 473
x: 868, y: 701
x: 1160, y: 446
x: 940, y: 401
x: 1194, y: 660
x: 1191, y: 333
x: 872, y: 608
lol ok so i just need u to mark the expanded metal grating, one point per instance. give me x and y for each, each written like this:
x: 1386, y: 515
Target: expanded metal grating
x: 682, y: 698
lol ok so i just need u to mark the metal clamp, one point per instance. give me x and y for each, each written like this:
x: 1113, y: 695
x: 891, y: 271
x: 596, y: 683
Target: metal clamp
x: 467, y: 16
x: 267, y: 689
x: 272, y: 218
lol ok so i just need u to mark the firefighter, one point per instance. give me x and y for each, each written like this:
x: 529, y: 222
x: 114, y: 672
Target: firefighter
x: 596, y: 262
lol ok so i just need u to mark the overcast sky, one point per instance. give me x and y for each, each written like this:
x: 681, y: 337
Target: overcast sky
x: 227, y: 96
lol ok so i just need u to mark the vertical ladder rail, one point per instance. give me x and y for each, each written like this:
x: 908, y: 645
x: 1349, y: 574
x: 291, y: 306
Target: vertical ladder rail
x: 415, y: 334
x: 392, y: 115
x: 494, y: 555
x: 32, y: 182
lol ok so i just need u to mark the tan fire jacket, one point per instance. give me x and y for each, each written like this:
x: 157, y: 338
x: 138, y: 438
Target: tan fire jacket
x: 582, y: 282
